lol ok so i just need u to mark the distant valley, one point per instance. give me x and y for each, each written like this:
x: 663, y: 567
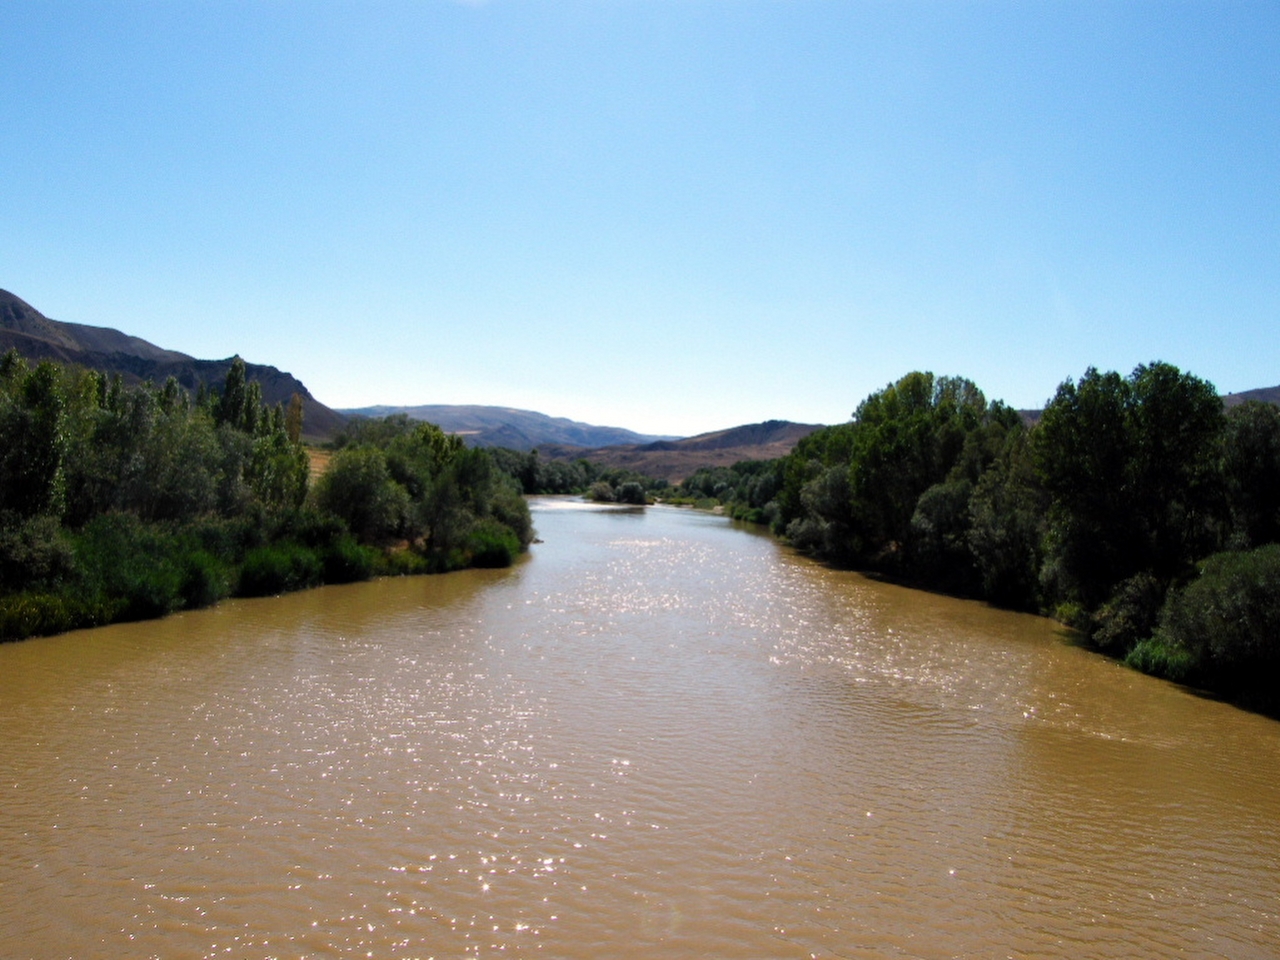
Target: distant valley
x: 677, y: 459
x: 556, y: 438
x: 524, y: 430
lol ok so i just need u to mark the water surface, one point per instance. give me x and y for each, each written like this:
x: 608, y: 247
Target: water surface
x: 660, y: 735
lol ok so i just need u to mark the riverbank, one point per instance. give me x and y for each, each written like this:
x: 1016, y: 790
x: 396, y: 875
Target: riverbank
x: 119, y: 569
x: 1236, y: 598
x: 122, y: 503
x: 1136, y: 509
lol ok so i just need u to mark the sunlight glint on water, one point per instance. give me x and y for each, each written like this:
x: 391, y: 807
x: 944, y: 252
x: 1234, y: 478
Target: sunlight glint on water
x: 659, y: 735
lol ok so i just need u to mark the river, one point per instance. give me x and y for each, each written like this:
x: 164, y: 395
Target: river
x: 660, y: 735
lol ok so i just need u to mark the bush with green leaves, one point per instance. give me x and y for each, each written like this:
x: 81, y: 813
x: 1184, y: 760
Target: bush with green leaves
x: 279, y: 568
x: 345, y: 561
x: 601, y: 492
x: 358, y: 488
x: 205, y: 579
x: 33, y: 614
x: 510, y: 509
x: 631, y: 492
x: 34, y: 552
x: 492, y: 544
x: 1129, y: 616
x: 1225, y: 624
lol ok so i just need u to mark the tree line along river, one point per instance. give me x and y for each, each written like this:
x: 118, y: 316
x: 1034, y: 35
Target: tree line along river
x: 659, y: 735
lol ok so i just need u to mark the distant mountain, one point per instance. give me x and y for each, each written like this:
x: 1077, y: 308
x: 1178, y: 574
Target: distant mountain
x: 36, y: 337
x: 1263, y: 394
x: 677, y: 459
x: 556, y: 438
x: 482, y: 426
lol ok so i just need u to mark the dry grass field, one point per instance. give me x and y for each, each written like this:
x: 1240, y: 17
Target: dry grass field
x: 319, y: 458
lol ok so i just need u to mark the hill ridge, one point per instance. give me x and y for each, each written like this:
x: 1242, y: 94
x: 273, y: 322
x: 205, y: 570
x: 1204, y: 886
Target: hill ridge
x: 676, y: 459
x: 105, y: 349
x: 483, y: 425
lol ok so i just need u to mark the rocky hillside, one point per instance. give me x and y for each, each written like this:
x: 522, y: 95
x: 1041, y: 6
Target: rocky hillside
x: 36, y: 337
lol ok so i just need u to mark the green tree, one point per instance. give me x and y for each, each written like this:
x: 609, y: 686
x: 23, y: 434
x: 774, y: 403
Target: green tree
x: 293, y: 419
x: 33, y: 438
x: 908, y: 438
x: 1223, y: 628
x: 1251, y: 468
x: 1131, y: 469
x: 812, y: 456
x: 252, y: 415
x: 630, y: 491
x: 235, y: 396
x: 177, y: 470
x: 1083, y: 449
x: 1007, y: 527
x: 938, y: 543
x: 278, y: 470
x: 601, y: 492
x: 359, y: 489
x: 1177, y: 423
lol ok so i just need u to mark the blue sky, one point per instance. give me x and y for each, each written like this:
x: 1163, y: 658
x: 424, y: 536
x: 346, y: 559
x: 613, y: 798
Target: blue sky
x: 668, y: 215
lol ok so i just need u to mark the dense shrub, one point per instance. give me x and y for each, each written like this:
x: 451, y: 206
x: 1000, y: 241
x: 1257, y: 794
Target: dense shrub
x: 31, y: 614
x: 630, y: 492
x: 1161, y: 659
x: 601, y: 492
x: 34, y: 551
x: 346, y: 561
x: 492, y: 544
x: 205, y: 579
x: 310, y: 527
x: 228, y: 539
x: 359, y: 489
x: 135, y: 566
x: 759, y: 515
x: 1226, y: 623
x: 511, y: 510
x: 408, y: 563
x: 1129, y: 616
x: 278, y: 568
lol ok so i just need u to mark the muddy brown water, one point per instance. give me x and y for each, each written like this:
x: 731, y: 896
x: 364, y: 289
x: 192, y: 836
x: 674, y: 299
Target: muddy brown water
x: 658, y: 736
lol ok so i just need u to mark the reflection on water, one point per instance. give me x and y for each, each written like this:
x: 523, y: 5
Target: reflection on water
x: 659, y: 735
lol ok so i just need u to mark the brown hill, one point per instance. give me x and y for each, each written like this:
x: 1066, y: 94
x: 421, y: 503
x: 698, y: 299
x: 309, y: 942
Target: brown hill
x: 36, y: 337
x: 1263, y: 394
x: 484, y: 426
x: 675, y: 459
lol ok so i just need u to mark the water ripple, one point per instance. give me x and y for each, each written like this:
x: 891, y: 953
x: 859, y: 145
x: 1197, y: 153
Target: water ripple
x: 658, y: 736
